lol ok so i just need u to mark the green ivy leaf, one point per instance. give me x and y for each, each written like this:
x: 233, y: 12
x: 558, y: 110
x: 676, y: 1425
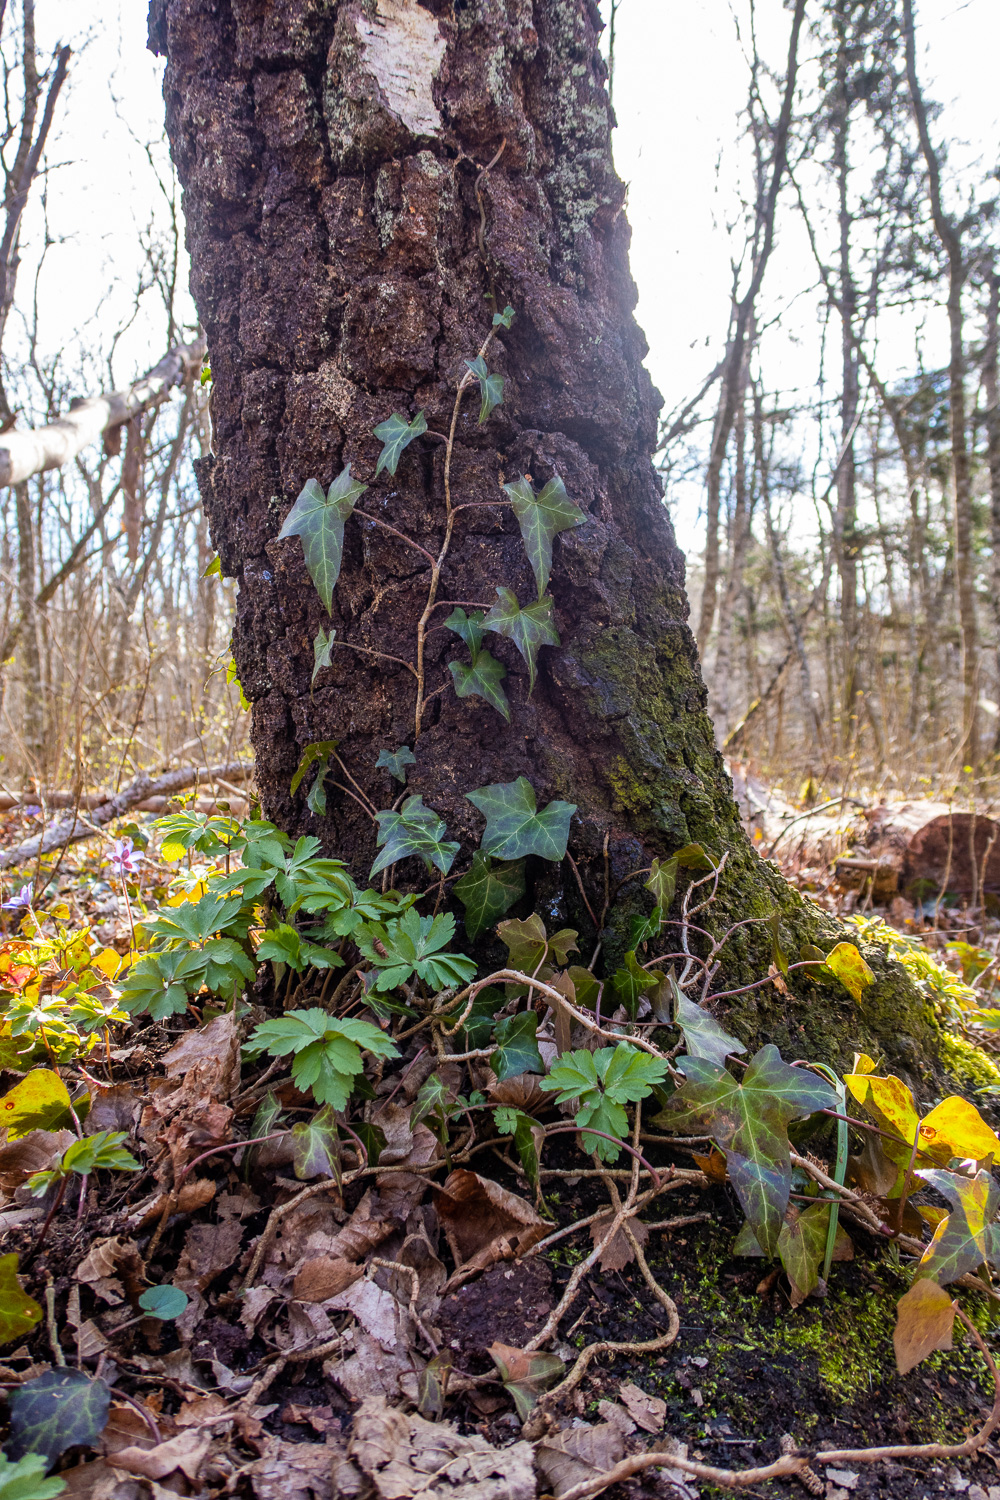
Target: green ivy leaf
x: 526, y: 942
x: 478, y: 1024
x: 396, y: 434
x: 504, y: 319
x: 26, y: 1480
x: 164, y: 1302
x: 372, y: 1137
x: 414, y: 831
x: 61, y: 1409
x: 322, y: 647
x: 469, y: 627
x: 515, y: 827
x: 630, y: 983
x: 663, y: 882
x: 517, y: 1047
x: 18, y: 1312
x: 541, y: 517
x: 319, y: 520
x: 529, y: 628
x: 490, y: 386
x: 523, y: 1128
x: 693, y: 857
x: 316, y: 1146
x: 214, y: 567
x: 318, y: 750
x: 487, y: 891
x: 703, y: 1036
x: 482, y: 679
x: 749, y: 1122
x: 396, y: 762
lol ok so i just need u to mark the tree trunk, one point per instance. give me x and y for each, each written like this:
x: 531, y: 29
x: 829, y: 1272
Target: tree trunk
x: 349, y: 246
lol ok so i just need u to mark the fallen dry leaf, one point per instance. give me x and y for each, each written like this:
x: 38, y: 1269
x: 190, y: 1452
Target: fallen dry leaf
x: 111, y: 1268
x: 617, y: 1416
x: 406, y: 1456
x: 186, y: 1452
x: 99, y: 1481
x: 217, y: 1044
x: 618, y: 1252
x: 484, y: 1223
x: 713, y: 1165
x: 925, y: 1317
x: 577, y: 1454
x: 415, y: 1147
x: 34, y: 1152
x: 198, y: 1409
x: 304, y: 1471
x: 648, y: 1412
x: 209, y: 1249
x: 323, y: 1277
x: 194, y: 1194
x: 188, y: 1112
x: 372, y: 1370
x: 116, y: 1107
x: 125, y: 1428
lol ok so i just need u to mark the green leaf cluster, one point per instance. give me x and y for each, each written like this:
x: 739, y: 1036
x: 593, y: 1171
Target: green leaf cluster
x: 326, y: 1050
x: 601, y: 1084
x: 413, y: 945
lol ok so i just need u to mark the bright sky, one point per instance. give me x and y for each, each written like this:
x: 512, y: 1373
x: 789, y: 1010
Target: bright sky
x: 680, y: 83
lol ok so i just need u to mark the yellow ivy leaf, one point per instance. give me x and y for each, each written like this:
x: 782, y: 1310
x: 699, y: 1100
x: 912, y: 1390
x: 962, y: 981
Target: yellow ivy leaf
x: 956, y: 1128
x: 924, y: 1320
x: 850, y: 968
x: 863, y: 1063
x: 39, y: 1102
x: 18, y: 1312
x: 888, y: 1101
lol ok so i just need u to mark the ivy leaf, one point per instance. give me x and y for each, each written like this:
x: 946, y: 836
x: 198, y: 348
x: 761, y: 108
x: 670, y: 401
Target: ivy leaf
x: 703, y: 1036
x: 316, y: 1146
x: 18, y: 1312
x: 61, y: 1409
x: 850, y: 968
x: 322, y: 647
x: 749, y: 1122
x: 630, y: 983
x: 164, y: 1302
x: 515, y: 827
x: 541, y: 517
x: 415, y: 830
x: 526, y: 942
x: 490, y: 386
x: 396, y: 434
x: 488, y: 890
x: 527, y: 1135
x: 469, y: 627
x: 26, y: 1480
x: 925, y: 1317
x: 517, y: 1048
x: 663, y: 882
x: 372, y: 1137
x: 529, y: 628
x: 801, y: 1248
x: 967, y: 1238
x: 39, y: 1102
x: 319, y: 520
x: 504, y: 319
x: 693, y: 857
x: 318, y: 750
x: 525, y: 1375
x: 482, y: 679
x: 396, y: 762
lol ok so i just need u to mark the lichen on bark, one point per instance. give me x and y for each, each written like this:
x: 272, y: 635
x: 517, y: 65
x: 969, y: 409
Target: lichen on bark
x: 348, y: 251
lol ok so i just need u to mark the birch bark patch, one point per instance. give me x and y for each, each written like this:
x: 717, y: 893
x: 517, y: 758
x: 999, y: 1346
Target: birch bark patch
x: 403, y: 48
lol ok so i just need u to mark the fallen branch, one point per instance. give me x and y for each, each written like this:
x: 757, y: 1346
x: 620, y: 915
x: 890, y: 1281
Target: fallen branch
x: 71, y: 830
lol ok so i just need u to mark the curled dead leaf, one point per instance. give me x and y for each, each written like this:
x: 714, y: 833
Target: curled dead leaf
x: 324, y: 1276
x: 578, y: 1454
x: 186, y: 1453
x: 484, y: 1223
x: 405, y: 1456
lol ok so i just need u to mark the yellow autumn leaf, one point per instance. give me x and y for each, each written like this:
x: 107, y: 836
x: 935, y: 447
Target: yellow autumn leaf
x: 172, y: 851
x: 850, y: 968
x: 924, y: 1320
x: 888, y: 1101
x: 108, y: 963
x: 194, y: 894
x: 863, y: 1063
x: 60, y: 911
x: 956, y: 1128
x: 39, y: 1102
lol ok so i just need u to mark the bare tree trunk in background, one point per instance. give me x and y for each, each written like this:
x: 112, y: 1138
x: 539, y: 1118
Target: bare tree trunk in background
x: 720, y: 694
x: 991, y: 384
x: 31, y: 657
x: 743, y: 313
x: 951, y: 243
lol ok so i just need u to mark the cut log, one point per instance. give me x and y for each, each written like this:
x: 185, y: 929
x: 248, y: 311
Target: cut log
x: 919, y: 849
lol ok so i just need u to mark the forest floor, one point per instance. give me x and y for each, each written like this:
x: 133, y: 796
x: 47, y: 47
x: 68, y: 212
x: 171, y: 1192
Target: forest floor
x: 312, y: 1297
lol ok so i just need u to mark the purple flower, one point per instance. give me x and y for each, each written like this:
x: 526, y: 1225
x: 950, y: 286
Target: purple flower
x: 32, y: 812
x: 123, y: 860
x: 21, y: 900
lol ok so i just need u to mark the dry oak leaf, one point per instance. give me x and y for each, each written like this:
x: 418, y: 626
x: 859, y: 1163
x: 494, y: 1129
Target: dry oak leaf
x: 484, y: 1223
x: 406, y: 1456
x: 618, y: 1252
x: 185, y: 1452
x: 577, y: 1454
x: 648, y: 1412
x: 324, y: 1276
x: 925, y: 1317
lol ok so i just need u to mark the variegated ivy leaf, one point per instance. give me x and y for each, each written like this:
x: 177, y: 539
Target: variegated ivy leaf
x: 490, y: 386
x: 415, y: 830
x: 322, y: 647
x: 749, y: 1121
x: 541, y: 517
x: 482, y: 678
x: 396, y: 762
x: 703, y: 1036
x: 396, y: 434
x: 967, y: 1237
x: 487, y: 891
x: 514, y: 825
x: 319, y: 520
x: 529, y: 628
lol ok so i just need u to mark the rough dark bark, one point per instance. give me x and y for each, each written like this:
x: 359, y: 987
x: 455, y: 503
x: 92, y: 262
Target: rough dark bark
x: 345, y: 263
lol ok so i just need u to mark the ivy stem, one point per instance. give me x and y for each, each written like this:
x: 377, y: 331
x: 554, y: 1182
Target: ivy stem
x: 587, y: 1130
x: 436, y: 566
x: 365, y: 516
